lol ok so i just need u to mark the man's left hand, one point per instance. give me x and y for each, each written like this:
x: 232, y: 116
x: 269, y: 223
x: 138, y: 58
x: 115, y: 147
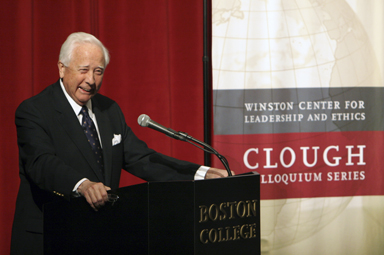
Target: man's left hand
x: 217, y: 173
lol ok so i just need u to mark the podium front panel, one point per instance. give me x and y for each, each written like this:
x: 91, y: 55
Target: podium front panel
x: 218, y: 216
x: 227, y: 218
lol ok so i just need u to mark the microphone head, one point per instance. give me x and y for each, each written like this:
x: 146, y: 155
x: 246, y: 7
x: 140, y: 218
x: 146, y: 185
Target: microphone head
x: 143, y: 120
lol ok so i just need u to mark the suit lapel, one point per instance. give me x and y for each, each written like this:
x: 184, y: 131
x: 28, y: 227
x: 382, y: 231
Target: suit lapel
x: 71, y: 125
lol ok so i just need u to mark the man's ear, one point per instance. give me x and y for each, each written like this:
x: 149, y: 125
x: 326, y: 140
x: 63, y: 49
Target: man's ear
x: 61, y: 67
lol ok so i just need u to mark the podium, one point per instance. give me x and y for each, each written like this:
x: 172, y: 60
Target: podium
x: 216, y: 216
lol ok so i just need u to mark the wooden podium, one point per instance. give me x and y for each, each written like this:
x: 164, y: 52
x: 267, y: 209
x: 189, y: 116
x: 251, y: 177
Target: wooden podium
x: 217, y: 216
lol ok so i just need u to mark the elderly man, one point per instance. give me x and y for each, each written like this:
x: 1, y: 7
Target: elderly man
x: 74, y: 142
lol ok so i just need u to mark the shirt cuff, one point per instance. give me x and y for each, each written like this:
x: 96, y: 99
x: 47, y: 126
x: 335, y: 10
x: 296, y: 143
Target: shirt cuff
x: 74, y: 191
x: 201, y: 172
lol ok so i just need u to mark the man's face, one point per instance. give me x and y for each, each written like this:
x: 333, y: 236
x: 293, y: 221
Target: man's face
x: 83, y: 77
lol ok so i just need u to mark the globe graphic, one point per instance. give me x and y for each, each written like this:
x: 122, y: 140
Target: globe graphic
x: 264, y: 44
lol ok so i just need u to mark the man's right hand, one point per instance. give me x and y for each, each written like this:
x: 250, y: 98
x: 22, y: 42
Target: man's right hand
x: 95, y: 193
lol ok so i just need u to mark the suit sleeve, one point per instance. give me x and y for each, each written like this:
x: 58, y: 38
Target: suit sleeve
x: 150, y: 165
x: 39, y: 161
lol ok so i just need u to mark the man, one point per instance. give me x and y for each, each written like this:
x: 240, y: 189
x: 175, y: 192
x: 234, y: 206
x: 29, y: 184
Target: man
x: 54, y: 132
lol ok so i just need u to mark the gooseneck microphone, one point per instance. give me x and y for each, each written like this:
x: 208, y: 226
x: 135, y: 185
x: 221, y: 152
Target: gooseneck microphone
x: 145, y: 121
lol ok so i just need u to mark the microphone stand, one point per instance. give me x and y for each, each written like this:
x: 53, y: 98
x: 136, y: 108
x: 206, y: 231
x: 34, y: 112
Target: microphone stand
x: 145, y: 121
x: 206, y: 148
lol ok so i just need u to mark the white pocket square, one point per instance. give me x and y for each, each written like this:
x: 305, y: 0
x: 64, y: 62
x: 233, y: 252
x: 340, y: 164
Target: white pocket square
x: 116, y: 139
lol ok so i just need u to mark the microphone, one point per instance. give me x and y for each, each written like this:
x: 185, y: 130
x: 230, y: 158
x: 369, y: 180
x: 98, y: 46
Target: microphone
x: 145, y: 121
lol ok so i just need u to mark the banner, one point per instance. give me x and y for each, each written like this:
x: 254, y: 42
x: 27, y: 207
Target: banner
x: 298, y: 97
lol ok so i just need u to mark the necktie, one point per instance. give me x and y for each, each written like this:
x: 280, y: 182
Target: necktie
x: 93, y: 139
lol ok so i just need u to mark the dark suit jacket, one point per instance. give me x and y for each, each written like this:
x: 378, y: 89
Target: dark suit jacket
x: 55, y: 154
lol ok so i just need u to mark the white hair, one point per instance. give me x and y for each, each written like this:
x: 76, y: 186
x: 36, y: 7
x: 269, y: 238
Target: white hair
x: 74, y: 40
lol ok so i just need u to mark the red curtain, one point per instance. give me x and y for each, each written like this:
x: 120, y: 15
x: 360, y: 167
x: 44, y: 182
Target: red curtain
x: 156, y: 49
